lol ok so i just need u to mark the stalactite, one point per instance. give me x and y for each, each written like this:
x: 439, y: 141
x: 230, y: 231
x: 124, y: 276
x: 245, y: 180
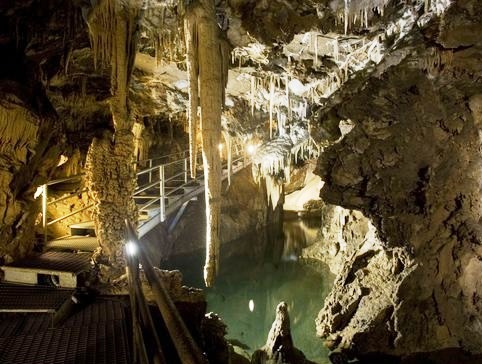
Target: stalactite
x: 229, y: 152
x: 140, y: 149
x: 191, y: 36
x: 346, y: 15
x: 436, y: 60
x: 271, y: 104
x: 211, y: 81
x: 349, y: 11
x: 287, y: 89
x: 101, y: 25
x: 316, y: 51
x: 252, y: 95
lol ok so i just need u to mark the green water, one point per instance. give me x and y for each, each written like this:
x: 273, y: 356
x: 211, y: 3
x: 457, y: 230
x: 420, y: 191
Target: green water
x: 264, y: 269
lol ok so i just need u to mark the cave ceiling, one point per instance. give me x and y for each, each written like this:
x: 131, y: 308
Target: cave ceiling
x: 287, y: 57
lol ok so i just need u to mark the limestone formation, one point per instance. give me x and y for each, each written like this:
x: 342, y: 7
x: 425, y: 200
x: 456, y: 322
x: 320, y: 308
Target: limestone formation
x: 386, y: 95
x: 411, y: 165
x: 110, y: 163
x: 111, y: 182
x: 207, y: 80
x: 279, y: 348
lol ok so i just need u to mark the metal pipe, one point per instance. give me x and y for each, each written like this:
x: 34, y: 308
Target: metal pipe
x: 175, y: 176
x: 60, y: 180
x: 146, y: 205
x: 44, y: 211
x: 71, y: 214
x: 139, y: 306
x: 150, y: 170
x: 140, y: 350
x: 71, y: 194
x: 186, y: 347
x: 162, y: 204
x: 145, y: 187
x: 184, y: 152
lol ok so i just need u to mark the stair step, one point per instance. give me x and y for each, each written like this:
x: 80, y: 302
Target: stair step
x: 74, y: 242
x: 62, y: 267
x: 83, y: 228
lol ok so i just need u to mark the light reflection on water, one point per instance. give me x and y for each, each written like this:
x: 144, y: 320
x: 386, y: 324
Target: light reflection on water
x: 258, y: 272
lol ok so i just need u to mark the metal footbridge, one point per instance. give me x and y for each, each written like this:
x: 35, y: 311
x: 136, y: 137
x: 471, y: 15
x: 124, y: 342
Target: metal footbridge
x: 44, y: 299
x: 164, y: 190
x: 163, y: 193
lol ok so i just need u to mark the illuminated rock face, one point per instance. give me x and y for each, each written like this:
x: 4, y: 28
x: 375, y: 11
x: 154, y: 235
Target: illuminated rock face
x: 111, y: 182
x: 30, y: 146
x: 412, y: 165
x: 403, y: 183
x: 279, y: 346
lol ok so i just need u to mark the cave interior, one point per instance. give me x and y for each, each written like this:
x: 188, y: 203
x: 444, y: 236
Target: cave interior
x: 241, y: 181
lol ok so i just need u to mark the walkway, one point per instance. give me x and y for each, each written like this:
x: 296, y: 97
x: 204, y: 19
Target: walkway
x: 164, y: 190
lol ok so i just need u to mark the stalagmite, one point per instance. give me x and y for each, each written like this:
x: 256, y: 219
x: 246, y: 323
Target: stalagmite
x: 252, y: 95
x: 201, y: 23
x: 229, y: 152
x: 316, y: 51
x: 346, y: 16
x: 271, y: 102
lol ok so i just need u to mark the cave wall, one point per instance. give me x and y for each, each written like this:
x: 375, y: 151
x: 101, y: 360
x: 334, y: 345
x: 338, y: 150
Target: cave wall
x: 412, y: 166
x: 244, y: 210
x: 343, y: 234
x: 29, y: 151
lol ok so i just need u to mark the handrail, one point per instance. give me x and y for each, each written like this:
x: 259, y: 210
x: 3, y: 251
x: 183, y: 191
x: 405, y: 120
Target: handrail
x: 70, y: 214
x: 184, y: 152
x: 70, y: 195
x: 65, y: 179
x: 142, y: 319
x: 186, y: 347
x: 174, y: 172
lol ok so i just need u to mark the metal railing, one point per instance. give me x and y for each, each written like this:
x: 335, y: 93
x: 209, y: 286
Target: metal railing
x: 147, y: 346
x: 162, y: 186
x: 169, y: 185
x: 46, y: 203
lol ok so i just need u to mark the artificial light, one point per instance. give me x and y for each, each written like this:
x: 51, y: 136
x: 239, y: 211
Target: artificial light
x: 63, y: 160
x: 38, y: 192
x: 131, y: 248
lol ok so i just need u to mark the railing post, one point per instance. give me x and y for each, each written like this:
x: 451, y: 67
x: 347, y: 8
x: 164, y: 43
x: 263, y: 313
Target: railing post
x: 162, y: 183
x: 44, y: 211
x: 185, y: 169
x: 150, y: 170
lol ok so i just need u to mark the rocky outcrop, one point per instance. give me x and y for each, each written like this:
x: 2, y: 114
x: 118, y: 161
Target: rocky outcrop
x: 279, y: 348
x: 412, y: 165
x: 343, y: 234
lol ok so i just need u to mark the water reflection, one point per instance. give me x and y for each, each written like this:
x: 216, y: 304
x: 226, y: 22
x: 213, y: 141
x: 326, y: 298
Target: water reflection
x: 257, y: 273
